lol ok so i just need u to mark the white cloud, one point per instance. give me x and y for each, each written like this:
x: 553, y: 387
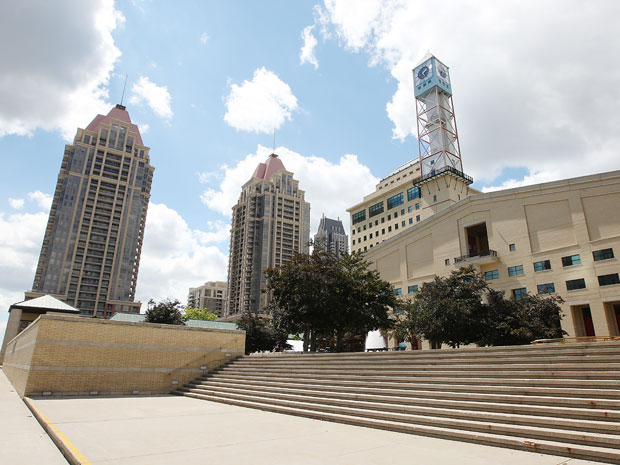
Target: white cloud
x: 330, y: 188
x: 175, y: 257
x: 156, y: 97
x: 16, y: 204
x: 144, y: 128
x: 21, y: 236
x: 55, y: 78
x: 306, y: 54
x: 535, y: 91
x: 42, y: 199
x: 204, y: 38
x: 260, y: 105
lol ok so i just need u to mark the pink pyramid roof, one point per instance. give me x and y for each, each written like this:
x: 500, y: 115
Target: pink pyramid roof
x: 269, y: 168
x: 119, y: 113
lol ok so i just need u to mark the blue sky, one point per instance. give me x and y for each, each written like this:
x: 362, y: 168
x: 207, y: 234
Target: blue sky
x: 535, y: 92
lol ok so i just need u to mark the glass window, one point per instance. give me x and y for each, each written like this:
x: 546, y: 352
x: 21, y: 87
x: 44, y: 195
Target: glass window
x: 548, y: 288
x: 417, y: 217
x: 412, y: 289
x: 515, y: 270
x: 389, y: 217
x: 414, y: 193
x: 359, y: 217
x: 575, y: 284
x: 542, y: 266
x: 398, y: 291
x: 395, y: 200
x: 402, y: 211
x: 417, y: 206
x: 409, y: 209
x: 571, y: 260
x: 447, y: 261
x: 402, y: 224
x: 519, y: 293
x: 608, y: 279
x: 389, y: 228
x: 512, y: 247
x: 490, y: 275
x: 383, y: 219
x: 353, y: 241
x: 604, y: 254
x: 375, y: 209
x: 395, y: 214
x: 395, y: 226
x: 434, y: 198
x: 410, y: 220
x: 382, y: 230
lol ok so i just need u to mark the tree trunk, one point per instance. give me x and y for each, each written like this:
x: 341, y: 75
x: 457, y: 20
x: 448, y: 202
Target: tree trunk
x: 306, y: 339
x: 313, y: 341
x: 339, y: 341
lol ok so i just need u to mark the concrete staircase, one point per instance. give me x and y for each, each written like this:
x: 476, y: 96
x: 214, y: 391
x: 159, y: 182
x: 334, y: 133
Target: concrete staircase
x: 561, y: 399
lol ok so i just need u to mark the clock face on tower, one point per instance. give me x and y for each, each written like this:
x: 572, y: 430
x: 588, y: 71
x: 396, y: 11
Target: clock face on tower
x: 423, y: 73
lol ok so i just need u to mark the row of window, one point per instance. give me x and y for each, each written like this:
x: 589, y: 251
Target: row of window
x: 389, y: 217
x: 389, y: 229
x: 547, y: 288
x: 392, y: 202
x: 543, y: 265
x: 410, y: 290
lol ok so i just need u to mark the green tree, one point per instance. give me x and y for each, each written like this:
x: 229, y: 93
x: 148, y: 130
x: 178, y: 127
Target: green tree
x: 450, y: 308
x: 322, y: 296
x: 198, y: 314
x: 407, y: 321
x: 261, y: 334
x: 167, y: 312
x: 512, y: 322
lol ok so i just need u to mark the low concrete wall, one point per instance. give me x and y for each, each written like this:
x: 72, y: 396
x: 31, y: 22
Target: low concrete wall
x: 67, y: 355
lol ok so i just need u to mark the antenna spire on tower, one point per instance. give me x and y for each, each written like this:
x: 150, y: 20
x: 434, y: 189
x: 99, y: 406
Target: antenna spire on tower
x: 124, y: 85
x: 274, y: 142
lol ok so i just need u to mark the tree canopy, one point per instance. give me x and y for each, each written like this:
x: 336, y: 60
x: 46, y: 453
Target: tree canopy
x: 261, y: 334
x: 198, y: 314
x: 167, y: 312
x: 325, y: 295
x: 462, y: 309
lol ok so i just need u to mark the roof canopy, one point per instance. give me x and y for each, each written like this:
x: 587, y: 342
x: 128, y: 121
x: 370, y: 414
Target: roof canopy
x: 45, y: 303
x: 119, y: 113
x: 269, y: 168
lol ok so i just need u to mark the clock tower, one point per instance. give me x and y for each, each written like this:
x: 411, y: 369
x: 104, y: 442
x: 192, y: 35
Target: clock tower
x: 437, y: 134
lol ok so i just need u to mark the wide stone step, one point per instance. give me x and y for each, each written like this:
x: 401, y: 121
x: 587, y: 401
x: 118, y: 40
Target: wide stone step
x: 499, y: 404
x: 418, y: 367
x: 547, y: 350
x: 586, y: 446
x: 543, y: 418
x: 397, y: 359
x: 607, y: 379
x: 524, y: 387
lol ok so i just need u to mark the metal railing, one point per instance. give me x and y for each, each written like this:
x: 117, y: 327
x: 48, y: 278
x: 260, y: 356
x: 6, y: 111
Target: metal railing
x: 578, y: 339
x: 485, y: 253
x: 446, y: 169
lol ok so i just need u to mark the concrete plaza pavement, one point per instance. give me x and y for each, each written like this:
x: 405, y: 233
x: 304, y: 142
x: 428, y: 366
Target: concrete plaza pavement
x: 181, y: 430
x: 22, y: 439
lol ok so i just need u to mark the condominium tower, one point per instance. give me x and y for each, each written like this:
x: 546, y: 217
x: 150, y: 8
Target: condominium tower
x: 270, y: 222
x: 92, y: 243
x: 332, y: 234
x: 211, y: 295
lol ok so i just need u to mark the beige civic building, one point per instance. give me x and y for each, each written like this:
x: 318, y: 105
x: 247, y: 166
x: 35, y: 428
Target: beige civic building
x: 559, y: 237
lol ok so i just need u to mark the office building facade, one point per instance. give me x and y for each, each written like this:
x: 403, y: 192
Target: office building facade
x: 91, y: 248
x: 270, y: 222
x: 211, y: 295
